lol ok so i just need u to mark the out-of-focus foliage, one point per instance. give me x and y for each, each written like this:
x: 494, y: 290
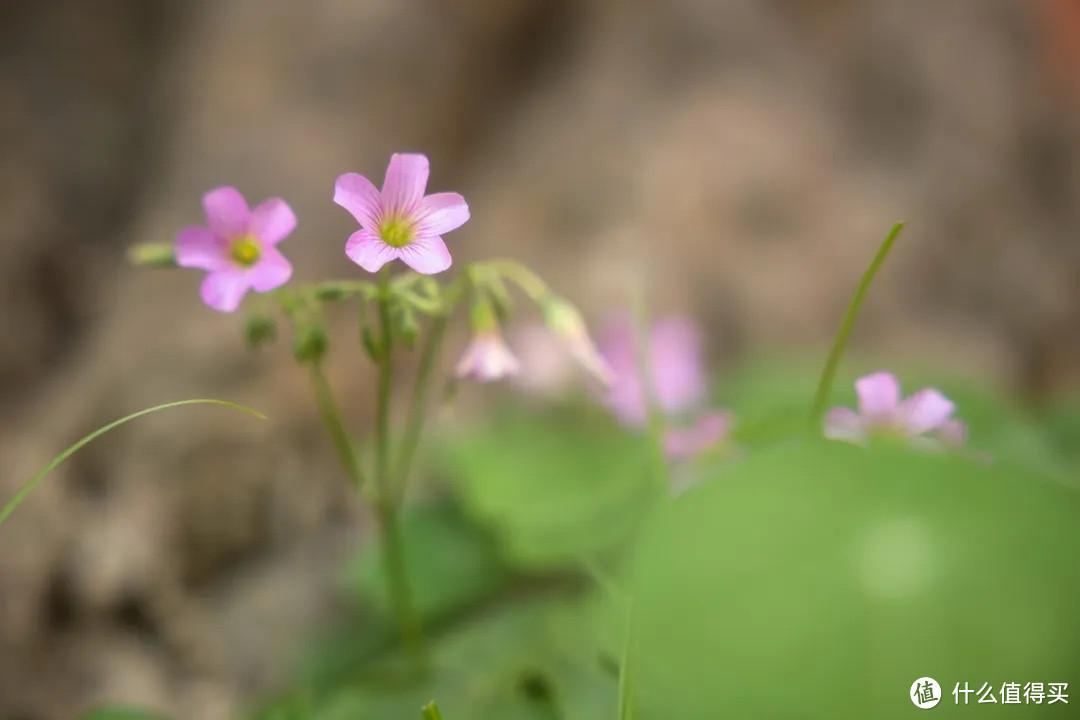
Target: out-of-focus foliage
x: 820, y: 580
x: 793, y: 578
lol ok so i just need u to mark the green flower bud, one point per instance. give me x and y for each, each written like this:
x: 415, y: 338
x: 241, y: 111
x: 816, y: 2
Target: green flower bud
x: 331, y: 292
x: 161, y: 255
x: 310, y: 343
x: 260, y: 330
x: 370, y: 344
x: 408, y: 327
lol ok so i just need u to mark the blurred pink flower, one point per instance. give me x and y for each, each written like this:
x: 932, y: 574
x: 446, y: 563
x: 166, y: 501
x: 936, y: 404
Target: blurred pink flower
x: 678, y: 384
x: 881, y: 410
x: 400, y: 223
x: 566, y: 323
x: 237, y: 248
x: 487, y: 358
x: 546, y: 366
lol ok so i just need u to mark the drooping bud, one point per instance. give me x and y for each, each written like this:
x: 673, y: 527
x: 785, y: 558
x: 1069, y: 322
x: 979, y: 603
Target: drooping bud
x: 567, y: 324
x: 487, y: 357
x: 331, y: 292
x: 310, y: 343
x: 259, y: 330
x: 408, y: 327
x: 369, y: 343
x: 162, y: 255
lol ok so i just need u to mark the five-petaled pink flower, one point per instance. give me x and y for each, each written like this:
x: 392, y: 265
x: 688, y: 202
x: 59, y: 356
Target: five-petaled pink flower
x: 237, y: 249
x: 400, y: 223
x: 487, y: 358
x: 678, y: 384
x: 881, y: 411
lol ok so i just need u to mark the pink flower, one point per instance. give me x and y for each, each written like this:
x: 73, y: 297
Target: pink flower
x: 881, y: 411
x: 400, y: 223
x: 678, y: 382
x: 238, y: 248
x: 678, y: 377
x: 708, y: 430
x: 487, y: 358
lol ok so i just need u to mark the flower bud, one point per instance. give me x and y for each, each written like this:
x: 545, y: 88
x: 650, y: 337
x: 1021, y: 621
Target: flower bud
x: 259, y: 330
x: 408, y: 328
x: 310, y: 343
x: 369, y: 343
x: 331, y: 292
x: 566, y: 322
x: 161, y: 255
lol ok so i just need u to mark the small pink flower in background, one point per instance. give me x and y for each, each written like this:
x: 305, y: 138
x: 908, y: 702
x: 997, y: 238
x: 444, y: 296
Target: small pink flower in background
x: 678, y: 383
x: 400, y: 222
x: 237, y: 248
x: 708, y: 430
x: 487, y: 358
x: 881, y: 411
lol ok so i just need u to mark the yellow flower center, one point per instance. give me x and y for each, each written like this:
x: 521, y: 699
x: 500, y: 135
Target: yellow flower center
x: 245, y: 251
x: 396, y: 232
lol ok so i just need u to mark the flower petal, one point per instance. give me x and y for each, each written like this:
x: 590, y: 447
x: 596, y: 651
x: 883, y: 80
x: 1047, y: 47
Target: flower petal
x: 926, y: 410
x: 708, y: 430
x: 677, y: 372
x: 273, y: 270
x: 843, y: 423
x: 224, y: 289
x: 360, y: 197
x: 406, y: 180
x: 879, y: 395
x: 487, y: 358
x: 426, y: 255
x: 442, y: 212
x: 953, y: 432
x: 368, y: 251
x: 199, y: 247
x: 272, y: 221
x: 226, y: 212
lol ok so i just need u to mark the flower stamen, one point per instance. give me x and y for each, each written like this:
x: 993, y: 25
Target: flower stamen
x: 396, y: 232
x: 245, y: 251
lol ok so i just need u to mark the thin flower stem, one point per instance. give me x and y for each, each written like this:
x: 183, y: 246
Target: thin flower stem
x: 414, y: 423
x: 386, y: 378
x: 431, y: 712
x: 335, y: 425
x: 30, y: 484
x: 529, y: 282
x: 828, y: 374
x: 397, y: 576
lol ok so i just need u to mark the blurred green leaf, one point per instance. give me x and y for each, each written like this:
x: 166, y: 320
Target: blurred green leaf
x: 554, y: 487
x: 452, y: 563
x: 821, y: 580
x: 537, y: 660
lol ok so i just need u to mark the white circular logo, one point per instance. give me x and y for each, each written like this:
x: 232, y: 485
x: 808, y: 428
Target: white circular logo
x: 925, y: 693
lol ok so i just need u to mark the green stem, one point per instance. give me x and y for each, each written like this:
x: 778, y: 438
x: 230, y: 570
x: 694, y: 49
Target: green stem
x: 30, y: 484
x: 431, y: 712
x: 335, y: 425
x: 414, y: 423
x: 397, y: 578
x: 390, y: 524
x: 386, y: 379
x: 828, y: 375
x: 529, y: 282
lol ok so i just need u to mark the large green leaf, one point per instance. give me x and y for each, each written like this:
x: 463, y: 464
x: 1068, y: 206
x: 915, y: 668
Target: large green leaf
x: 554, y: 488
x: 451, y: 563
x: 820, y: 580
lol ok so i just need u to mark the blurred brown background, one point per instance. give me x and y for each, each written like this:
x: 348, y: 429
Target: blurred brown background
x: 736, y: 159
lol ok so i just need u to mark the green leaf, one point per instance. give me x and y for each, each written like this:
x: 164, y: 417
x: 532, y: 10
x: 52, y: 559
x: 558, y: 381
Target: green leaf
x: 30, y: 484
x: 821, y: 580
x: 452, y: 564
x: 553, y: 487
